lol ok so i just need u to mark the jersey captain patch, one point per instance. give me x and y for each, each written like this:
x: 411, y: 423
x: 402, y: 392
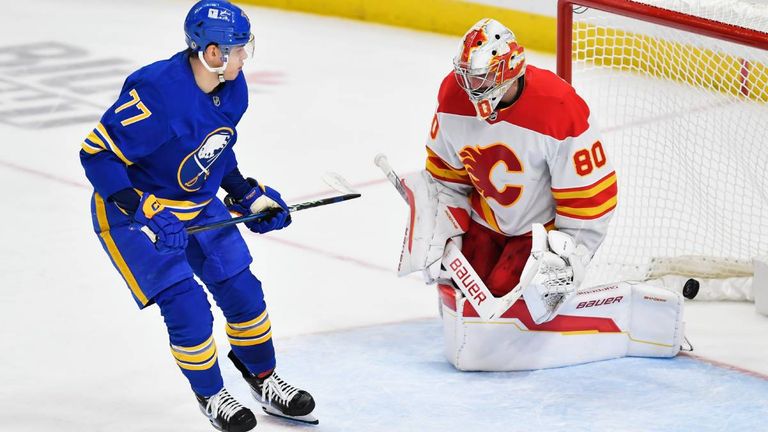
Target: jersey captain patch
x: 194, y: 168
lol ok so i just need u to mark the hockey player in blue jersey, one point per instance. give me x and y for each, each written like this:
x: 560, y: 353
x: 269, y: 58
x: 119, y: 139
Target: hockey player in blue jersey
x: 156, y: 160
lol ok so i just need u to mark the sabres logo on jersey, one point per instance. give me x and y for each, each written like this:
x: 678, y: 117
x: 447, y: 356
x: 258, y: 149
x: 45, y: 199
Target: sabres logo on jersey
x: 483, y: 165
x: 194, y: 168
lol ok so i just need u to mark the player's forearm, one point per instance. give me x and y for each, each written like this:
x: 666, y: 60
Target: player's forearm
x: 235, y: 184
x: 126, y: 199
x: 106, y: 172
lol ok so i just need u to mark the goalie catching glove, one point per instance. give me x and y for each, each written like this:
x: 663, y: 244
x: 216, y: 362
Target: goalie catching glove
x: 555, y: 269
x: 437, y: 214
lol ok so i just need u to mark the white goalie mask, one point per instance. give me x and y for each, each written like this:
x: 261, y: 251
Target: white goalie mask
x: 488, y: 63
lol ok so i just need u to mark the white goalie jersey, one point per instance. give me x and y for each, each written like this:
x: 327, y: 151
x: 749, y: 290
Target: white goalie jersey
x: 538, y: 161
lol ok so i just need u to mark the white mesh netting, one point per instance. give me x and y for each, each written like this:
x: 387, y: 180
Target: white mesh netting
x: 684, y: 119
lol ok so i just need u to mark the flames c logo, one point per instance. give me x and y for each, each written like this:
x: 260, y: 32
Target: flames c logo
x: 194, y: 169
x: 482, y: 162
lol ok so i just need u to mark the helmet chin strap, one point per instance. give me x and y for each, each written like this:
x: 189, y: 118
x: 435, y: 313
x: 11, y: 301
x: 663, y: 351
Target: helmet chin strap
x: 218, y: 70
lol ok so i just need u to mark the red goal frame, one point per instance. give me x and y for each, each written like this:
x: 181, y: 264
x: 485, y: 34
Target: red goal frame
x: 656, y: 15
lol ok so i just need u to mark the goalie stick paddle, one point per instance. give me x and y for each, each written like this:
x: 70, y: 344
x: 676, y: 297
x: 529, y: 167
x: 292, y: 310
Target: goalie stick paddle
x: 458, y: 267
x: 338, y: 183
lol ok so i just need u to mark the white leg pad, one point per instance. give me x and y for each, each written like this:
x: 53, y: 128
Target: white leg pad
x: 600, y: 323
x: 656, y: 327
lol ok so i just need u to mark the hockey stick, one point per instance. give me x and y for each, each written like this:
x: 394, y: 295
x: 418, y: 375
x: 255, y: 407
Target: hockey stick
x: 458, y: 267
x: 333, y: 180
x: 381, y: 161
x: 272, y: 212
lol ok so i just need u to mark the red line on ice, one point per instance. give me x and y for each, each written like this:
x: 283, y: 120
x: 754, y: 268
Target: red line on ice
x: 44, y: 175
x: 724, y: 365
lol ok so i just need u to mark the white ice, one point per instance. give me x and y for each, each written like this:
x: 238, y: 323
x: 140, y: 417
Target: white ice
x: 326, y: 94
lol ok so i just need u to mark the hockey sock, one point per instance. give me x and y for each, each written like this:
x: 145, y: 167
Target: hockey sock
x: 187, y: 315
x: 248, y: 326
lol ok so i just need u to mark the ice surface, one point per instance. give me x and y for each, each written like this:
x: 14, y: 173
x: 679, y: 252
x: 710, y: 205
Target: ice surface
x: 326, y: 94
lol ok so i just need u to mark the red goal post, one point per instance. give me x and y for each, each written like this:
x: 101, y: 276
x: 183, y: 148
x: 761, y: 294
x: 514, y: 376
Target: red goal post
x: 680, y: 90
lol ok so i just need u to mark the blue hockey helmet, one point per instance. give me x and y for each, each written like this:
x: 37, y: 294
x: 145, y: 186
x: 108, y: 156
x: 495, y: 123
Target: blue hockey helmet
x: 216, y: 22
x: 220, y: 23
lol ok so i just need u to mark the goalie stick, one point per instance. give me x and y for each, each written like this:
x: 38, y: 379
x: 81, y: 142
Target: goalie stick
x: 458, y: 267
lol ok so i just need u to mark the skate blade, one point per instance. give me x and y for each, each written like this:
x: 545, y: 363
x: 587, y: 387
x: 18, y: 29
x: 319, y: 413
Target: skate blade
x: 309, y: 418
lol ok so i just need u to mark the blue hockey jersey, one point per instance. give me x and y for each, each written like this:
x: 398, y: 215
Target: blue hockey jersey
x: 167, y: 137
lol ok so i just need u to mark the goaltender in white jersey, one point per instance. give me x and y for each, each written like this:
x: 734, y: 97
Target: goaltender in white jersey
x: 513, y: 149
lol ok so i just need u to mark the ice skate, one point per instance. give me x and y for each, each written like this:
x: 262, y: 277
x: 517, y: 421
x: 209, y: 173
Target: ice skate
x: 277, y: 397
x: 226, y: 413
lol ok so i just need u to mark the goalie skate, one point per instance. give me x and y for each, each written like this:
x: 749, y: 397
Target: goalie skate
x: 277, y: 397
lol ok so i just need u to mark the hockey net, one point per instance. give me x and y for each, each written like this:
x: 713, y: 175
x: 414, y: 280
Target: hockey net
x: 680, y: 91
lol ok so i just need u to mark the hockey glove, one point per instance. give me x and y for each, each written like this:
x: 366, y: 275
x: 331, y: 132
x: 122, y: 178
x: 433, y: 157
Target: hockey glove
x: 259, y: 199
x: 170, y: 235
x: 553, y: 273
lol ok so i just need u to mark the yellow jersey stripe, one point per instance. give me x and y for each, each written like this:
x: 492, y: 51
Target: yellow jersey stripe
x: 94, y: 139
x: 89, y: 149
x: 447, y: 174
x: 177, y: 204
x: 184, y: 210
x: 114, y: 252
x: 589, y: 211
x: 587, y: 193
x: 112, y: 145
x: 488, y: 215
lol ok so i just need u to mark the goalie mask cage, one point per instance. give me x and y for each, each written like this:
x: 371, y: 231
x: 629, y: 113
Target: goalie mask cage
x: 679, y: 89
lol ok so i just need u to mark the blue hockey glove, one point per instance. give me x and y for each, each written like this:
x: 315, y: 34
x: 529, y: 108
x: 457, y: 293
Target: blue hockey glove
x: 259, y: 199
x: 170, y: 235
